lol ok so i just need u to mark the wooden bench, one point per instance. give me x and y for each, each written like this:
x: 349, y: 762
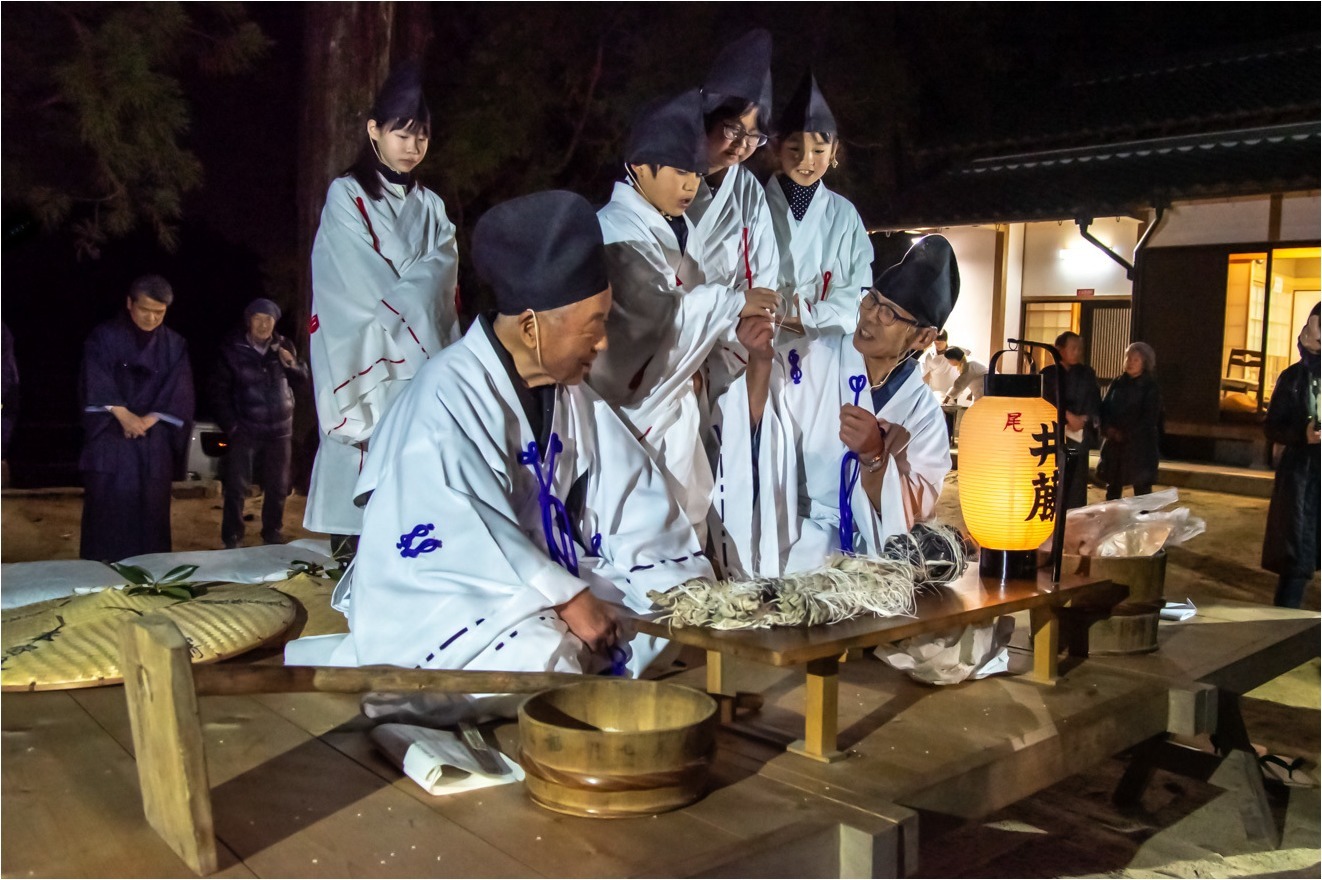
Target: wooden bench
x: 819, y: 649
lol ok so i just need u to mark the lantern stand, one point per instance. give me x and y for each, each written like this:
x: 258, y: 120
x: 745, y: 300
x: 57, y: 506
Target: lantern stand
x: 1065, y: 457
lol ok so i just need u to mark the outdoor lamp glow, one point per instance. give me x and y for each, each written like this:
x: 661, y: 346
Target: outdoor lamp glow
x: 1007, y: 472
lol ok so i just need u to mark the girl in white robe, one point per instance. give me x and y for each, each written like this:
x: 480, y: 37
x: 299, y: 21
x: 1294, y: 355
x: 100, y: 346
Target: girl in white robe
x: 825, y: 254
x: 385, y: 295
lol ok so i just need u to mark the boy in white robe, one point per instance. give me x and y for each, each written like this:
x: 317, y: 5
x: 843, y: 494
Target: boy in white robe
x: 825, y: 254
x: 666, y: 318
x: 384, y: 279
x: 512, y: 521
x: 832, y: 440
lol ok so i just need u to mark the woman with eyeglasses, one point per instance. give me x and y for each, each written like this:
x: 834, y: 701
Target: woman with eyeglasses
x: 733, y: 243
x: 825, y: 254
x: 835, y: 443
x: 384, y: 297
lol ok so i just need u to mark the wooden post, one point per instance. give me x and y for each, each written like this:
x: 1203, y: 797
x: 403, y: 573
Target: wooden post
x: 1046, y: 644
x: 820, y: 712
x: 167, y: 739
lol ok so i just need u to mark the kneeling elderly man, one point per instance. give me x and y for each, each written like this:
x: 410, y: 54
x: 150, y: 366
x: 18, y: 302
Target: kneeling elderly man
x: 511, y: 517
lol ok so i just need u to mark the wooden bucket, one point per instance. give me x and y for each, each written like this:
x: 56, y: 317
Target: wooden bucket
x: 1132, y: 626
x: 616, y: 748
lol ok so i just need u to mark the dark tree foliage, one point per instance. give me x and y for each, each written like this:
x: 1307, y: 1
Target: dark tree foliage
x: 95, y: 111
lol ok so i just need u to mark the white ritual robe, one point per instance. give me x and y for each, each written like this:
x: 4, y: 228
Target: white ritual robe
x: 938, y: 373
x: 384, y: 290
x: 665, y: 320
x: 799, y: 461
x: 825, y: 258
x: 733, y: 242
x: 453, y: 569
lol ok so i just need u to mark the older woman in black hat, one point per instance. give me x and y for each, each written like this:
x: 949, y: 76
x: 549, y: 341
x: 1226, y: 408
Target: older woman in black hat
x: 511, y: 518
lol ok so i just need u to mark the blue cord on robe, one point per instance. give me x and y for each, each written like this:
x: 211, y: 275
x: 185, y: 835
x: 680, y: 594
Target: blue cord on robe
x: 555, y: 519
x: 849, y: 470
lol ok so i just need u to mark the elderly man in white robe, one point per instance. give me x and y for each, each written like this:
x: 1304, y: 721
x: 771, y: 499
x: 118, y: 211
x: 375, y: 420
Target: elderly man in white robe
x: 667, y: 317
x: 512, y: 521
x: 833, y: 443
x: 831, y: 440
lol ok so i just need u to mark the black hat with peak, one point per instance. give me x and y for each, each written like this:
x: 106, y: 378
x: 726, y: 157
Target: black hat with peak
x: 807, y: 110
x: 540, y: 252
x: 925, y: 283
x: 400, y: 98
x: 742, y: 70
x: 670, y: 132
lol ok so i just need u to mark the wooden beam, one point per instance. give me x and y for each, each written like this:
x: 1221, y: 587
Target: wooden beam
x: 1046, y: 645
x: 167, y: 739
x: 1000, y: 271
x: 232, y: 680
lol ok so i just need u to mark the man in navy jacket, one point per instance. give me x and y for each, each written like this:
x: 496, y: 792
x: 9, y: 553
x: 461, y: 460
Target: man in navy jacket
x: 254, y: 404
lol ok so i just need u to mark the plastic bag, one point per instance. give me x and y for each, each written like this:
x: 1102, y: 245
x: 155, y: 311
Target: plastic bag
x: 1135, y: 526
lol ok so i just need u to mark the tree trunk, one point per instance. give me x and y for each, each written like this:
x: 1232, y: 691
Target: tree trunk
x: 349, y: 49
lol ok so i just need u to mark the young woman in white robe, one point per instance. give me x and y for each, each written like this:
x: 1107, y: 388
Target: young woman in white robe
x: 384, y: 295
x: 830, y: 442
x: 490, y: 542
x: 825, y: 254
x: 667, y: 315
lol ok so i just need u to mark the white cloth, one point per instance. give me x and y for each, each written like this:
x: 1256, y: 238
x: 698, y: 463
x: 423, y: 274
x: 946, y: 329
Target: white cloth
x: 968, y: 386
x: 825, y: 258
x: 453, y: 570
x: 963, y: 654
x: 23, y: 583
x: 383, y: 301
x: 938, y: 373
x: 665, y: 320
x: 800, y: 443
x: 438, y: 760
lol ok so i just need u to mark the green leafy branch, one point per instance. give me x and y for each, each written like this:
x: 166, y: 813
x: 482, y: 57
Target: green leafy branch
x: 174, y: 583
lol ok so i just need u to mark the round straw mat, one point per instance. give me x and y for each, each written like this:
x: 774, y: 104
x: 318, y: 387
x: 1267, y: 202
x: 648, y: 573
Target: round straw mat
x: 73, y: 642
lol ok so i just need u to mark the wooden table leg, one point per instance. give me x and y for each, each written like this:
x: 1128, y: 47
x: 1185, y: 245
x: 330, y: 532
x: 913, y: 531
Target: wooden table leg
x: 718, y: 685
x: 1046, y: 644
x: 820, y: 712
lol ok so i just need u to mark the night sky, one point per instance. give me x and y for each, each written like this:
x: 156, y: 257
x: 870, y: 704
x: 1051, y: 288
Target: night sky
x: 941, y: 74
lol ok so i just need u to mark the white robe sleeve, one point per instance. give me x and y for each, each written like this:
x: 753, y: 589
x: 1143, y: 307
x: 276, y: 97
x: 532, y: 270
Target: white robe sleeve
x: 752, y: 536
x: 839, y: 311
x: 701, y: 316
x: 404, y: 593
x: 646, y: 540
x: 917, y: 456
x: 371, y: 325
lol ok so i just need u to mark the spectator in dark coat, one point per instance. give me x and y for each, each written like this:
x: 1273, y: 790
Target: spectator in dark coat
x: 254, y: 404
x: 1082, y: 398
x: 137, y: 395
x: 1131, y: 425
x: 1290, y: 546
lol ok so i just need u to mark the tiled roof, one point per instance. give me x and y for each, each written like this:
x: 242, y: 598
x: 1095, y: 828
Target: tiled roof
x: 1242, y: 88
x: 1113, y: 179
x: 1229, y: 123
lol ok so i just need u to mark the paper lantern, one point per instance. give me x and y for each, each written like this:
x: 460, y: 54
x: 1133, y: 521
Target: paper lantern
x: 1007, y: 473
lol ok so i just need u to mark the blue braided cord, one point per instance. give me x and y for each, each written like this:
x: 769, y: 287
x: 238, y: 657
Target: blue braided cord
x: 555, y: 519
x: 796, y: 374
x: 848, y: 480
x: 849, y: 470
